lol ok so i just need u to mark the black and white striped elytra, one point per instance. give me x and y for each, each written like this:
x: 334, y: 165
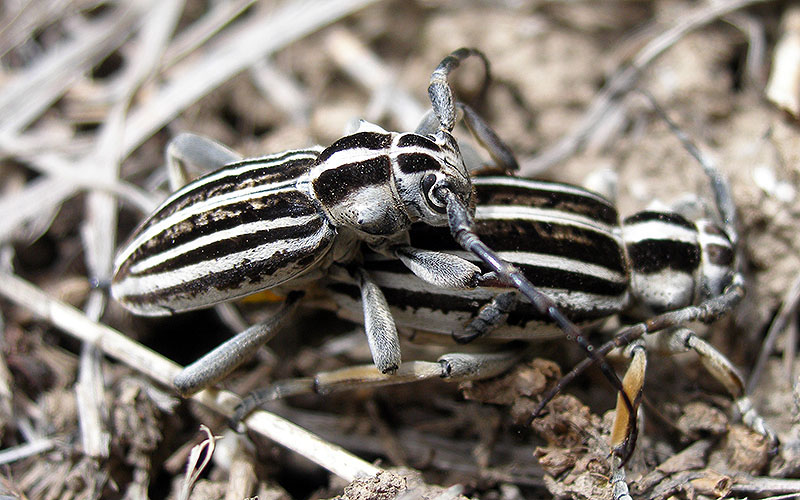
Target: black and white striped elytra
x: 571, y: 244
x: 263, y: 222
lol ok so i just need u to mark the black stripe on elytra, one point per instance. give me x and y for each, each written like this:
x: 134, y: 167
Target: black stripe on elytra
x: 257, y: 176
x: 235, y: 244
x: 527, y: 235
x: 359, y: 140
x: 411, y: 163
x: 336, y: 184
x: 535, y: 196
x: 270, y: 206
x: 654, y: 255
x: 253, y: 272
x: 669, y: 217
x: 416, y: 140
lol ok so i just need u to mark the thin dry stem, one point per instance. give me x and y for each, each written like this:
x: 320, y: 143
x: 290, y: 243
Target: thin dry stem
x: 366, y: 68
x: 258, y: 39
x: 30, y: 93
x: 785, y: 314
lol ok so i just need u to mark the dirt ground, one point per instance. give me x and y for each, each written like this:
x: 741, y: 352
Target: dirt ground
x: 92, y: 91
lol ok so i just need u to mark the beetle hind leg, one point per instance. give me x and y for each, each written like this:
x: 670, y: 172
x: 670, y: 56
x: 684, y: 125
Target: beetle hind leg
x: 721, y: 368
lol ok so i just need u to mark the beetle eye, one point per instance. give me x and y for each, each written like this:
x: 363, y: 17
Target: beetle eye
x: 427, y: 186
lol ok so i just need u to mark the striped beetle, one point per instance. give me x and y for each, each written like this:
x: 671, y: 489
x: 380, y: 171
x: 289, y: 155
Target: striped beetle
x: 287, y: 219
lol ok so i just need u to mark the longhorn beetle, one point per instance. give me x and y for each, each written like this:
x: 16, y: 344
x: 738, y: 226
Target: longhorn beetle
x: 285, y: 219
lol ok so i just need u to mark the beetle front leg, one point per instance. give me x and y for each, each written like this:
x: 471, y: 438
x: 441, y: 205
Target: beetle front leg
x: 486, y: 136
x: 440, y: 269
x: 218, y: 363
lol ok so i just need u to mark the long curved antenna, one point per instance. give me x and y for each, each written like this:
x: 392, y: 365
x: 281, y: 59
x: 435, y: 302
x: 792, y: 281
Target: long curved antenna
x: 726, y: 208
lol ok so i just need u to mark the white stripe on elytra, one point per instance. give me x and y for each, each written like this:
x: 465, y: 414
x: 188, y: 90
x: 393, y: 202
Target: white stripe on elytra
x: 225, y: 234
x: 658, y: 230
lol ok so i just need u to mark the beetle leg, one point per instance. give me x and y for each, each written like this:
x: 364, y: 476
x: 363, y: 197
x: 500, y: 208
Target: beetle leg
x: 218, y: 363
x: 504, y: 159
x: 720, y: 367
x: 384, y: 343
x: 490, y: 316
x: 624, y: 430
x: 603, y: 181
x: 190, y: 152
x: 449, y: 271
x: 483, y: 133
x: 440, y: 269
x: 444, y: 106
x: 619, y: 487
x: 187, y: 151
x: 462, y: 227
x: 707, y: 312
